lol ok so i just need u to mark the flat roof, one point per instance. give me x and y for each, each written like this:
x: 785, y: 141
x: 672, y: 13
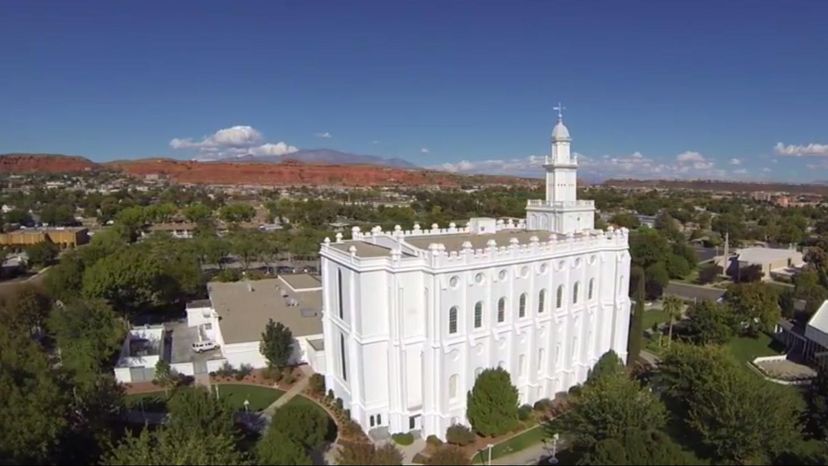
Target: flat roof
x: 454, y: 242
x: 46, y: 230
x: 765, y: 255
x: 198, y: 303
x: 244, y: 307
x: 301, y: 281
x: 318, y: 344
x: 363, y: 249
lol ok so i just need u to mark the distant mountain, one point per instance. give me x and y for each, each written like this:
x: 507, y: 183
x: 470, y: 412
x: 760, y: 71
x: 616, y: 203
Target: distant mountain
x: 324, y: 157
x: 44, y: 163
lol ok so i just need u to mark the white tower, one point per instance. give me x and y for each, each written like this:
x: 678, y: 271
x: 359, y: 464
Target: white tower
x: 561, y: 211
x: 561, y: 167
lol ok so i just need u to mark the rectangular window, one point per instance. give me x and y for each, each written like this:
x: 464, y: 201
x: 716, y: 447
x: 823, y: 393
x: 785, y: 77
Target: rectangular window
x: 412, y: 422
x: 342, y: 356
x: 339, y: 288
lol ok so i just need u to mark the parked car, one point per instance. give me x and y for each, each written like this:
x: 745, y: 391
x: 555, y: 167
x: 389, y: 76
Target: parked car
x: 202, y: 346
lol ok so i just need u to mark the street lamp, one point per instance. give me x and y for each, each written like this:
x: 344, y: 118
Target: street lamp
x: 489, y: 446
x: 554, y: 458
x: 247, y: 405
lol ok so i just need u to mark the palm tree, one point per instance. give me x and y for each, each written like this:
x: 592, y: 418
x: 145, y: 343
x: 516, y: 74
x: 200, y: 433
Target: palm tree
x: 672, y: 307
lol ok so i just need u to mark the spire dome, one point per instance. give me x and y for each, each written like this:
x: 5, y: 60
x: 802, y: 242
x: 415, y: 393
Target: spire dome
x: 560, y: 132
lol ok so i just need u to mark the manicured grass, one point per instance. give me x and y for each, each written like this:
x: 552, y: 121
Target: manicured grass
x: 235, y: 394
x: 654, y: 316
x: 403, y: 439
x: 259, y: 397
x: 519, y: 442
x: 745, y: 349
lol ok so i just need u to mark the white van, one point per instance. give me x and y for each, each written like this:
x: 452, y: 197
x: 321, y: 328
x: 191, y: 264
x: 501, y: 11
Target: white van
x: 201, y: 346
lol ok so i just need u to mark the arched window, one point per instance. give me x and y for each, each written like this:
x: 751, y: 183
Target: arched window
x: 575, y: 292
x: 522, y: 309
x: 379, y: 419
x: 591, y: 288
x: 453, y: 319
x: 453, y: 386
x: 478, y: 314
x: 559, y: 299
x: 501, y: 309
x: 372, y: 421
x: 541, y: 299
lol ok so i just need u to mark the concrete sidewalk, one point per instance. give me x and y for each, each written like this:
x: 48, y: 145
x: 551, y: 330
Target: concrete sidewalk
x: 296, y: 389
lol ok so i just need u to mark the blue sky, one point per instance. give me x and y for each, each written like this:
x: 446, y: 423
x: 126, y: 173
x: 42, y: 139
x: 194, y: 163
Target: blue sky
x: 652, y: 89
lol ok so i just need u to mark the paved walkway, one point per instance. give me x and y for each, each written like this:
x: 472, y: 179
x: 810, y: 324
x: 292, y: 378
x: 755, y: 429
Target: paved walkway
x: 296, y: 389
x: 410, y: 451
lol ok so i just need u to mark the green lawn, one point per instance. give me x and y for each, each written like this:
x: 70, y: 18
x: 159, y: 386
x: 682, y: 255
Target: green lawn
x: 519, y: 442
x: 259, y: 397
x: 235, y: 394
x: 654, y: 316
x: 745, y: 349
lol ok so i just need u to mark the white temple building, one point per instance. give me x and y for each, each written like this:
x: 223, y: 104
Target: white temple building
x: 410, y: 318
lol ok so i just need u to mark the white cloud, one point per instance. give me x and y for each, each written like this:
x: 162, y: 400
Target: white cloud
x: 690, y: 156
x: 766, y: 170
x: 375, y: 141
x: 735, y: 162
x: 324, y: 135
x: 424, y: 150
x: 812, y: 149
x: 280, y: 148
x: 235, y: 141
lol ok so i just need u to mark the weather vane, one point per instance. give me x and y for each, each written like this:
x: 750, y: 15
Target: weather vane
x: 560, y: 108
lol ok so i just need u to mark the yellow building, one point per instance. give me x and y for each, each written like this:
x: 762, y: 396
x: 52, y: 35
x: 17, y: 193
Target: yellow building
x: 63, y: 237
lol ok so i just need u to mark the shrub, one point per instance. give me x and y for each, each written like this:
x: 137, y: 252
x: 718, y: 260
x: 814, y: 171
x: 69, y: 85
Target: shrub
x: 271, y: 373
x: 330, y: 394
x: 367, y: 454
x: 226, y: 370
x: 288, y: 377
x: 458, y: 434
x: 403, y: 439
x: 339, y: 404
x: 524, y: 412
x: 317, y: 384
x: 433, y: 440
x: 543, y: 405
x: 243, y: 371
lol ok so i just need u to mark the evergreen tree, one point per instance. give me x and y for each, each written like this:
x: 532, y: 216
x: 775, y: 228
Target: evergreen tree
x: 277, y: 344
x: 492, y: 406
x: 636, y: 320
x: 277, y: 448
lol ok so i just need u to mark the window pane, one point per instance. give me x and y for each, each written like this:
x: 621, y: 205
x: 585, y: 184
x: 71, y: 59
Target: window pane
x: 478, y: 314
x: 541, y: 297
x: 453, y: 320
x: 522, y: 305
x: 501, y: 309
x: 559, y: 300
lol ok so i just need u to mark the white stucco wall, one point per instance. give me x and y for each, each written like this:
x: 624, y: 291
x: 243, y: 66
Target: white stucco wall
x: 400, y: 356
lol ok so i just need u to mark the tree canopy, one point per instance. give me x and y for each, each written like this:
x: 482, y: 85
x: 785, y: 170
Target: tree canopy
x: 492, y: 405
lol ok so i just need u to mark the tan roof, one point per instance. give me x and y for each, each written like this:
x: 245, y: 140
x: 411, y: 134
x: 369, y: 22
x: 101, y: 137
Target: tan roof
x: 454, y: 242
x: 363, y: 249
x: 301, y: 281
x: 244, y: 308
